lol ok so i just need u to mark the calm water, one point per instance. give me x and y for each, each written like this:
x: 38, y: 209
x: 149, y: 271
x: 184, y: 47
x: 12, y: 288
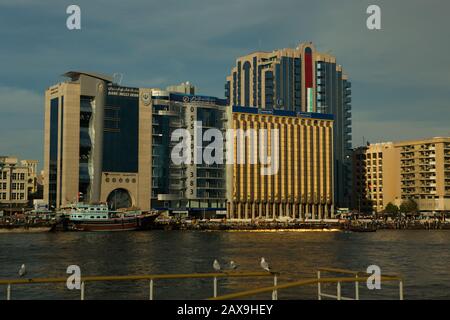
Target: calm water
x: 422, y: 257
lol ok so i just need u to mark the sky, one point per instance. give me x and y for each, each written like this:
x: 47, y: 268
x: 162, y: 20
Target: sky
x: 400, y: 74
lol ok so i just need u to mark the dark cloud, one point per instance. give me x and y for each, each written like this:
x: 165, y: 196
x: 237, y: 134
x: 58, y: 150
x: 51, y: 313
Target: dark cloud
x: 400, y: 75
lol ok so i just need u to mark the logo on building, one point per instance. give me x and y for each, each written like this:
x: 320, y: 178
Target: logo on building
x: 146, y: 98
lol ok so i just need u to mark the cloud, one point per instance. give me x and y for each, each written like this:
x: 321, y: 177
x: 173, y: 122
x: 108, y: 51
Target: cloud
x: 21, y: 123
x: 400, y: 75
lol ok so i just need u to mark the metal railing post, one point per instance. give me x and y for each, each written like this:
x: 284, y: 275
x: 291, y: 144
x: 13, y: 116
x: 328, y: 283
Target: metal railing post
x: 150, y: 295
x: 82, y: 291
x: 275, y: 292
x: 339, y: 290
x: 8, y: 292
x: 356, y: 289
x: 400, y: 287
x: 215, y: 287
x: 319, y: 292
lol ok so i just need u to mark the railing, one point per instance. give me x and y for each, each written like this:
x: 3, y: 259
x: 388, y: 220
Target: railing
x: 356, y: 275
x: 150, y: 277
x: 356, y: 278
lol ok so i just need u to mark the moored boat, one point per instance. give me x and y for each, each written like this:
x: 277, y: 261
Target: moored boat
x: 98, y: 217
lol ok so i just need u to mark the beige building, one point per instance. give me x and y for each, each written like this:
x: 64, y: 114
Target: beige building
x: 394, y: 172
x: 18, y: 179
x: 302, y: 185
x: 110, y: 143
x: 88, y: 124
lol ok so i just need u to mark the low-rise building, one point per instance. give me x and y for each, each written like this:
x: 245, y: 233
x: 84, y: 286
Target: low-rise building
x: 18, y: 180
x: 398, y: 171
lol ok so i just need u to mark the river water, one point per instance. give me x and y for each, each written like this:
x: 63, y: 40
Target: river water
x: 421, y: 257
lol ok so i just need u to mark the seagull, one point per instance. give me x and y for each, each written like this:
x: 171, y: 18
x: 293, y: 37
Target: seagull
x: 216, y: 265
x: 265, y: 265
x: 233, y: 265
x: 22, y: 270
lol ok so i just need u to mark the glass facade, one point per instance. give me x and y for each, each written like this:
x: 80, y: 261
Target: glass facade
x: 121, y: 130
x: 86, y: 118
x: 53, y: 156
x: 191, y: 187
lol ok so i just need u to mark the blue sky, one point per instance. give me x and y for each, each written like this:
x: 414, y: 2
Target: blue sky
x: 400, y: 74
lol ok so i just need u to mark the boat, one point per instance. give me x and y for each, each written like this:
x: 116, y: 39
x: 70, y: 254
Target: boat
x: 26, y: 227
x: 98, y: 217
x: 27, y: 222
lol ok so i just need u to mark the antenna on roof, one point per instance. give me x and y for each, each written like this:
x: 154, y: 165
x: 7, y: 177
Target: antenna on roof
x: 117, y: 78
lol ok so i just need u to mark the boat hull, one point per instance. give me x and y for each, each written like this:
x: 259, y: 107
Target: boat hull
x: 142, y: 222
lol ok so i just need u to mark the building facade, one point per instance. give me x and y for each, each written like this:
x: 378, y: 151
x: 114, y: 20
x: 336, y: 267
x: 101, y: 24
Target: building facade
x: 376, y: 171
x: 110, y: 143
x: 91, y: 150
x: 301, y: 186
x: 195, y: 187
x: 18, y: 179
x: 395, y: 172
x: 299, y: 80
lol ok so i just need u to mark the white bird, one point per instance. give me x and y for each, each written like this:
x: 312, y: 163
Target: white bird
x: 22, y: 271
x: 265, y: 265
x: 233, y: 265
x: 216, y: 265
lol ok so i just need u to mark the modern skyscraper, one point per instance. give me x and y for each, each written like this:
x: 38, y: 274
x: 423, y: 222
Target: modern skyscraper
x: 110, y: 143
x: 394, y: 172
x: 97, y: 142
x: 302, y: 80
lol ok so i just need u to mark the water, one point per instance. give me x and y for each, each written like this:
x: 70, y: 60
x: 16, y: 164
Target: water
x: 421, y: 257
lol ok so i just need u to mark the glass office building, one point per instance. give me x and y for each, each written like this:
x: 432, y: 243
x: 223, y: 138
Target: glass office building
x: 110, y: 143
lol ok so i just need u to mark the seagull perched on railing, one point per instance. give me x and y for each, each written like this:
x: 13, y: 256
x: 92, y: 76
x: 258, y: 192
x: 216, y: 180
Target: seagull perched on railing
x: 233, y: 265
x: 22, y: 271
x: 265, y: 265
x: 216, y: 265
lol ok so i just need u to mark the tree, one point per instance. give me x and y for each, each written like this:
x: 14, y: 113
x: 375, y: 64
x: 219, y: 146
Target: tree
x: 391, y: 208
x: 409, y: 206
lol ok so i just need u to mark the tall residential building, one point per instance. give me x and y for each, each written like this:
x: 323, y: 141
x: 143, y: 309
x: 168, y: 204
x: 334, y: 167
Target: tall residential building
x: 417, y: 170
x: 18, y: 179
x: 302, y: 80
x: 110, y: 143
x: 301, y: 183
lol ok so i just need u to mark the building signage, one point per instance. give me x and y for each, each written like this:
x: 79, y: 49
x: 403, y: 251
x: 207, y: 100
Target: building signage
x: 123, y: 92
x: 186, y: 98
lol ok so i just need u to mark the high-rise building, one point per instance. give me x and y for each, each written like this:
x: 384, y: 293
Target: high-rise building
x: 110, y: 143
x: 18, y: 179
x: 299, y: 184
x: 395, y: 172
x: 302, y: 80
